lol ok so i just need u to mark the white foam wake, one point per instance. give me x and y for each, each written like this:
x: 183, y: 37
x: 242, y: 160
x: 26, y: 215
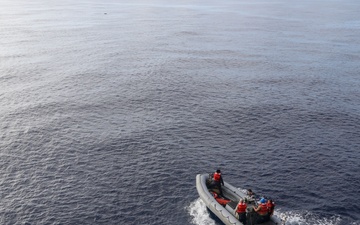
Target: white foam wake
x: 199, y: 213
x: 306, y: 218
x: 200, y: 216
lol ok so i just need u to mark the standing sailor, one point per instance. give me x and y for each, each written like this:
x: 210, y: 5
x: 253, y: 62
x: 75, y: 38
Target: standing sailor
x: 218, y: 181
x: 262, y: 211
x: 270, y: 206
x: 241, y: 211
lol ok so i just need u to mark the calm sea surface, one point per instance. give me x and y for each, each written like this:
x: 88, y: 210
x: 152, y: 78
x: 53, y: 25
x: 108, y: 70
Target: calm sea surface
x: 109, y: 108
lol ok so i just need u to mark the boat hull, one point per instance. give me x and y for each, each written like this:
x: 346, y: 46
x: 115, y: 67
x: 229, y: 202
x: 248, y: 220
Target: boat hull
x: 226, y: 213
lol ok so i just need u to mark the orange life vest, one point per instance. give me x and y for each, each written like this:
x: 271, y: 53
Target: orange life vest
x: 214, y: 194
x: 270, y: 207
x: 263, y: 209
x: 222, y: 201
x: 217, y: 177
x: 241, y: 207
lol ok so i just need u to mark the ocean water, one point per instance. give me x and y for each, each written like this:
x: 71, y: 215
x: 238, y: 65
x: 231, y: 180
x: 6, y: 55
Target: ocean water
x: 110, y: 108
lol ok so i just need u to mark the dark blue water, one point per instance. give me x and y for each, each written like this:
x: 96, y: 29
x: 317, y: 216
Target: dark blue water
x: 110, y: 108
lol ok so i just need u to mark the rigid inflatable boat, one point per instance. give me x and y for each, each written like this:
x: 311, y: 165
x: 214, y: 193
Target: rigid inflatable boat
x: 224, y: 207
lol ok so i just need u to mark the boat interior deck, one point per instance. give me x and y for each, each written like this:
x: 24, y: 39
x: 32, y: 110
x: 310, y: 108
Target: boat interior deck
x: 234, y: 200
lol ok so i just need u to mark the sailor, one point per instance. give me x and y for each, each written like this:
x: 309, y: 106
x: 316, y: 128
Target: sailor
x: 250, y: 193
x: 241, y: 211
x: 218, y: 181
x: 262, y: 211
x: 271, y: 206
x: 250, y: 196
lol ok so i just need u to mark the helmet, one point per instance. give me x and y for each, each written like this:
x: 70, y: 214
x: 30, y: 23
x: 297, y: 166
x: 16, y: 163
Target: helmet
x: 262, y: 200
x: 218, y: 171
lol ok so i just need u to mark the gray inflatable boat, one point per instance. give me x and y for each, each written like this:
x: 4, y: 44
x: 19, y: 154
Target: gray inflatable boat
x: 224, y: 208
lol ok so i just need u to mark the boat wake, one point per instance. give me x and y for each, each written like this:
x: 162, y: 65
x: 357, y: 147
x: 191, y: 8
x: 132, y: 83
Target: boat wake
x: 306, y: 218
x: 199, y: 213
x: 200, y: 216
x: 309, y: 218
